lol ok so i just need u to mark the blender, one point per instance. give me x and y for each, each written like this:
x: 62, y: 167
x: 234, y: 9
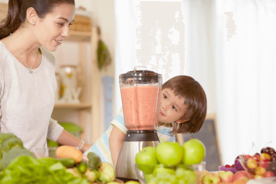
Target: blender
x: 140, y: 93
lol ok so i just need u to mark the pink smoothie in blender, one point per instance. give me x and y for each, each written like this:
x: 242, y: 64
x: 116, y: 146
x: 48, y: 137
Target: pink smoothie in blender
x: 139, y: 105
x: 140, y: 93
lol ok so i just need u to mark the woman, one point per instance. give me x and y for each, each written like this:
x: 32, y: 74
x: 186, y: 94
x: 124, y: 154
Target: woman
x: 27, y: 70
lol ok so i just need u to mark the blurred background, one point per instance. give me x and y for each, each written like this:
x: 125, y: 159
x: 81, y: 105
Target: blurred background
x: 227, y: 45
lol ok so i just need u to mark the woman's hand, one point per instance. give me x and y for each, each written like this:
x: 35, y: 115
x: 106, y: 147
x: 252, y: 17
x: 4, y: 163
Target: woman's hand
x: 85, y: 147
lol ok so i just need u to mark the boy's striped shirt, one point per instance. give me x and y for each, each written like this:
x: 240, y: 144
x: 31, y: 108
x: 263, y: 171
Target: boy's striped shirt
x: 101, y: 146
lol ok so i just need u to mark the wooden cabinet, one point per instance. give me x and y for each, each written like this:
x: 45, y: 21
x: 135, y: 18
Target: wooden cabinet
x: 88, y: 110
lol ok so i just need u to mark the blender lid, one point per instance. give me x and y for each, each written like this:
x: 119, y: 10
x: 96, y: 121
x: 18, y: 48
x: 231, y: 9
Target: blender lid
x: 141, y: 76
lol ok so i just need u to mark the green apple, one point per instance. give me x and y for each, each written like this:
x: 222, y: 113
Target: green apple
x: 169, y: 153
x: 146, y: 159
x: 194, y: 152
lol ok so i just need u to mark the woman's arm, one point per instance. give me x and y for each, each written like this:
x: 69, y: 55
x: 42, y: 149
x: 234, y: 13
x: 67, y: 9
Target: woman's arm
x: 68, y: 139
x: 115, y: 142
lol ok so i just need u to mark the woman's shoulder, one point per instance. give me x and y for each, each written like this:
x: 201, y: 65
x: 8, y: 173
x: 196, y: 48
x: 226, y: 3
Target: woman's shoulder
x: 3, y: 48
x: 3, y: 54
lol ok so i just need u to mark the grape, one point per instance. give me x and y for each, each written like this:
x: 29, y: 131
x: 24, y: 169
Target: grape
x: 163, y: 176
x: 153, y: 180
x: 162, y: 182
x: 271, y: 151
x: 273, y: 157
x: 272, y: 167
x: 182, y: 181
x: 173, y: 178
x: 263, y: 150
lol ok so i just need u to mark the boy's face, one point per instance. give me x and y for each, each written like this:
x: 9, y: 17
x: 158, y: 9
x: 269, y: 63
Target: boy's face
x: 172, y: 107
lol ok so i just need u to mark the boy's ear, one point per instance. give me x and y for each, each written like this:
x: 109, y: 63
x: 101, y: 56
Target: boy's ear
x: 182, y: 121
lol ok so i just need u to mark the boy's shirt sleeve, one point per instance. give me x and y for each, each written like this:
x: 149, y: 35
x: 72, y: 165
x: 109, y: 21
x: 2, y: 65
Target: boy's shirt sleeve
x: 119, y: 121
x: 101, y: 146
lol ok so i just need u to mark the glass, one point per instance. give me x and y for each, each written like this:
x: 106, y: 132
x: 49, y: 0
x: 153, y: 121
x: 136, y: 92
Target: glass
x: 40, y: 152
x: 257, y: 168
x: 191, y: 173
x: 140, y: 93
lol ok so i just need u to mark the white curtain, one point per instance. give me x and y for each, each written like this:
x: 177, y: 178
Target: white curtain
x: 229, y: 48
x: 245, y: 65
x: 161, y: 35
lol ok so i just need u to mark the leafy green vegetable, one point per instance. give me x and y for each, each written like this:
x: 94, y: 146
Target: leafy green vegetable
x: 10, y: 155
x: 5, y: 136
x: 11, y: 143
x: 7, y: 141
x: 27, y: 169
x: 103, y: 54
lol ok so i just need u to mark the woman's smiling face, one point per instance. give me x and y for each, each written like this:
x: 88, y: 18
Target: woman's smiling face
x: 172, y: 107
x: 54, y: 27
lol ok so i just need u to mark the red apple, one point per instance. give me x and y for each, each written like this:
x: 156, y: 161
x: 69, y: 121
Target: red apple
x: 241, y: 175
x: 260, y: 171
x: 211, y: 178
x: 252, y: 163
x: 264, y: 164
x: 268, y: 174
x: 247, y: 156
x: 226, y: 176
x: 251, y: 176
x: 257, y: 157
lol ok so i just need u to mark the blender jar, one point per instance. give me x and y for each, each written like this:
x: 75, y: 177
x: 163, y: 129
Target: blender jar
x: 140, y: 93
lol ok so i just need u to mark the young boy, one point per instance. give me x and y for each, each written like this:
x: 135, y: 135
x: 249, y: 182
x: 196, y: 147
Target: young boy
x: 183, y: 107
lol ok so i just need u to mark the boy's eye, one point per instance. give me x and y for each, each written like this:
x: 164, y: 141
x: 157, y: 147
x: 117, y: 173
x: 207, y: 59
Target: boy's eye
x: 174, y: 108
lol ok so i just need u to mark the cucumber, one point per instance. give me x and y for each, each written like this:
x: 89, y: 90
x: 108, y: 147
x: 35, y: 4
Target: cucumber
x: 82, y: 166
x: 67, y: 162
x: 94, y: 161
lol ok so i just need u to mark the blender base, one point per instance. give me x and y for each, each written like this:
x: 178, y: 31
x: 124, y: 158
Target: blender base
x: 126, y: 166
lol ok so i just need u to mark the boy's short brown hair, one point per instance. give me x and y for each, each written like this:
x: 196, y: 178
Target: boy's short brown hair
x: 195, y: 99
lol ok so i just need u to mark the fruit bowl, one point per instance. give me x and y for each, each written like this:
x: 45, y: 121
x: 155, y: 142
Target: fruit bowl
x: 44, y: 152
x: 157, y: 173
x: 259, y: 166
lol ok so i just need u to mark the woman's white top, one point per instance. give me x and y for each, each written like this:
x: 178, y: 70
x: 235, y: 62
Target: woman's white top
x: 27, y: 100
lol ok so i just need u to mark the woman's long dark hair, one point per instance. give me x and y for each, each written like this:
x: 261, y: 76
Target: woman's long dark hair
x: 17, y: 13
